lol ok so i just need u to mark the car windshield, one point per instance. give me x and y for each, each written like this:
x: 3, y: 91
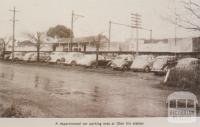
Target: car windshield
x: 77, y: 55
x: 90, y: 56
x: 161, y: 60
x: 119, y: 57
x: 140, y: 59
x: 123, y: 57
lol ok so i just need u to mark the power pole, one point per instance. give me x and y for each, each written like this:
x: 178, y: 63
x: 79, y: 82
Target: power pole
x: 175, y: 25
x: 71, y: 35
x: 133, y: 26
x: 136, y: 23
x: 151, y: 35
x: 74, y: 17
x: 109, y: 36
x: 13, y: 38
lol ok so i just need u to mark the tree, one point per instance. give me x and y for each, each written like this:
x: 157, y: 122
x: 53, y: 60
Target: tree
x: 37, y: 39
x: 59, y: 31
x: 3, y: 43
x: 189, y: 17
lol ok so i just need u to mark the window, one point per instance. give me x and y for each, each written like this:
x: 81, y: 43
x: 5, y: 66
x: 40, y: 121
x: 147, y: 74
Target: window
x: 190, y: 103
x: 172, y: 104
x: 181, y: 103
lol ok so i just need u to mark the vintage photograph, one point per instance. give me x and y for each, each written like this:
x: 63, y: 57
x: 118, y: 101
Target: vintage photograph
x: 100, y: 59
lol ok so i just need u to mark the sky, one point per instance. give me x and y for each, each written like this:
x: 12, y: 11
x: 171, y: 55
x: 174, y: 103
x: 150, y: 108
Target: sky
x: 39, y: 15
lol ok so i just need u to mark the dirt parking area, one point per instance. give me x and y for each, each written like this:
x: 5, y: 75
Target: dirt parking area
x: 56, y: 91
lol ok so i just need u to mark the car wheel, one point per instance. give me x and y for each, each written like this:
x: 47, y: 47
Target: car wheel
x: 16, y: 59
x: 58, y: 61
x: 73, y: 63
x: 62, y: 60
x: 147, y: 69
x: 93, y: 65
x: 124, y: 68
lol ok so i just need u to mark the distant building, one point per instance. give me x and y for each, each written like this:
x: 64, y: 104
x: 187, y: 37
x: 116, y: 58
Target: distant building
x: 28, y: 45
x: 82, y: 43
x: 89, y: 44
x: 54, y: 44
x: 159, y: 45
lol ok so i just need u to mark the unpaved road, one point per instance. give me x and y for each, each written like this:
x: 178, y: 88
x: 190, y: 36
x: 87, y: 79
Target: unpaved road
x: 50, y: 91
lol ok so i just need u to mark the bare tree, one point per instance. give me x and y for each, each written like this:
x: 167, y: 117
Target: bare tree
x: 189, y: 17
x: 37, y: 39
x: 4, y: 42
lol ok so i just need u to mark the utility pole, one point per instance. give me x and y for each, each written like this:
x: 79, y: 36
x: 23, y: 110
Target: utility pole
x: 175, y: 25
x: 130, y: 26
x: 74, y: 17
x: 109, y: 36
x: 151, y: 36
x: 13, y: 38
x: 136, y: 23
x: 97, y: 50
x: 71, y: 35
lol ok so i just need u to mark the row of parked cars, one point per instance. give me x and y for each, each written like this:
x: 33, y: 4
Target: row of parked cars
x: 145, y: 63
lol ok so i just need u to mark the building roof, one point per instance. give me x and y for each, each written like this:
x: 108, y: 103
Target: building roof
x: 102, y: 38
x: 26, y: 43
x: 182, y: 95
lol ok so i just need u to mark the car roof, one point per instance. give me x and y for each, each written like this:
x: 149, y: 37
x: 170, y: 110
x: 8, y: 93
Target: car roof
x: 165, y: 57
x: 145, y: 56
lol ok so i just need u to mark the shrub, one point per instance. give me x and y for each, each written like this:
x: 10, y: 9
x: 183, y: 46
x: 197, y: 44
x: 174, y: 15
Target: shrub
x: 185, y: 79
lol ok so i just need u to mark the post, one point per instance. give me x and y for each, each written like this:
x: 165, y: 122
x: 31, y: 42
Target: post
x: 175, y: 26
x: 109, y: 37
x: 151, y: 37
x: 13, y: 38
x: 72, y: 28
x: 136, y: 20
x: 71, y: 35
x: 137, y: 41
x: 38, y: 46
x: 4, y: 49
x: 167, y: 76
x: 97, y: 50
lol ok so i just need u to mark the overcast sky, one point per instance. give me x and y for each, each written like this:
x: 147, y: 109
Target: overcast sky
x: 39, y: 15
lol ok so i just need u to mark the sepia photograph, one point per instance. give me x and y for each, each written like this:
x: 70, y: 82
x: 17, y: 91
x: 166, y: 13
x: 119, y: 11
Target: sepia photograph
x: 100, y: 59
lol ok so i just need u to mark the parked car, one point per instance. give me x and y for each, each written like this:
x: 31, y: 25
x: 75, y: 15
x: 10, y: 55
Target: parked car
x: 18, y: 56
x: 143, y: 63
x: 57, y: 57
x: 72, y: 57
x: 28, y: 56
x: 7, y: 56
x: 163, y: 63
x: 44, y: 56
x: 122, y: 62
x: 110, y: 57
x: 90, y: 61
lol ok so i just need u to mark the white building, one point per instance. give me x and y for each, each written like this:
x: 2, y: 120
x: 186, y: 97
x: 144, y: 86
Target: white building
x: 159, y: 45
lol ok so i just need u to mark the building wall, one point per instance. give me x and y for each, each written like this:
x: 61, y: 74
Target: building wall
x: 181, y: 45
x: 162, y: 45
x: 196, y: 44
